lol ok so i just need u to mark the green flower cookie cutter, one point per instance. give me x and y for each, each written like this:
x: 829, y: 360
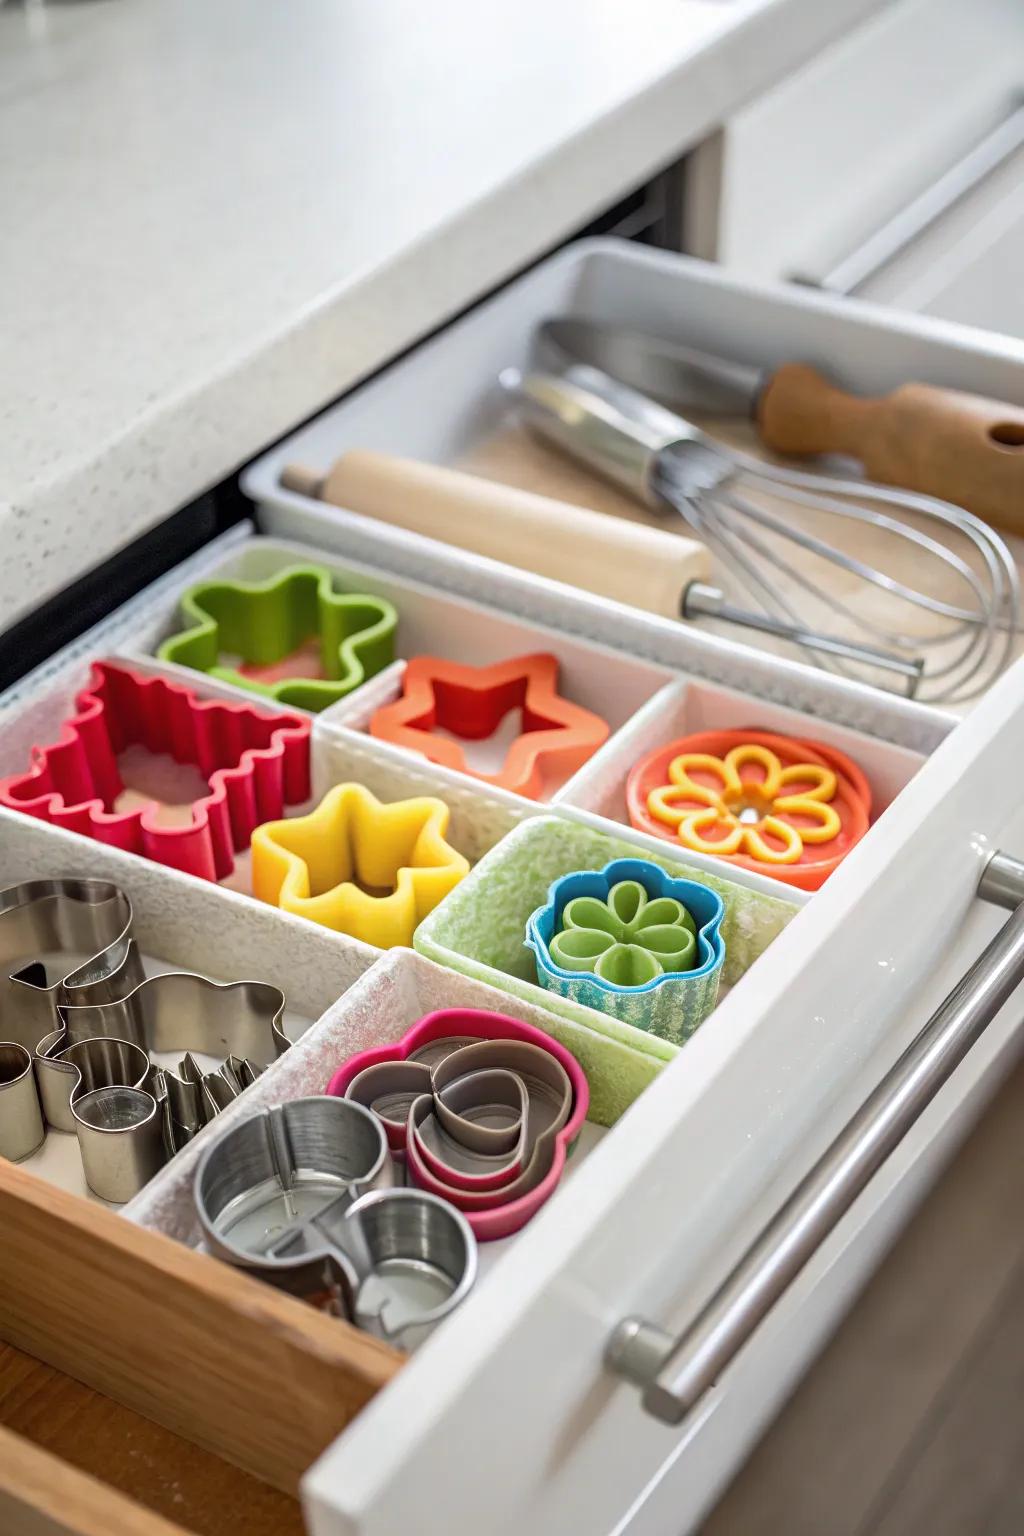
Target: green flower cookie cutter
x: 265, y: 621
x: 628, y: 939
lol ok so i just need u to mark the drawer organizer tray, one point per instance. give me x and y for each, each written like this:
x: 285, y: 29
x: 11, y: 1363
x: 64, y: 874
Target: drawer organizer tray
x: 592, y: 676
x: 667, y: 1186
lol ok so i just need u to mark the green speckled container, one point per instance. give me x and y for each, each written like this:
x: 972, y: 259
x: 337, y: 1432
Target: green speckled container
x: 479, y: 930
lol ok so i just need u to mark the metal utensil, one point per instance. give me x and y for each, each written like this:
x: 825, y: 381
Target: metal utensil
x: 669, y: 372
x: 21, y: 1122
x: 665, y: 460
x: 277, y: 1196
x: 921, y: 437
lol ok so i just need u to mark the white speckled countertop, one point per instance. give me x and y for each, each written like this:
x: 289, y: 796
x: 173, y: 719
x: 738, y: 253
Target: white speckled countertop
x: 218, y: 214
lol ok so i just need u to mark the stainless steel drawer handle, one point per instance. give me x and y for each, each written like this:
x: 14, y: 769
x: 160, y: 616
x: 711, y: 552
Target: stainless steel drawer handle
x: 675, y: 1373
x: 851, y: 274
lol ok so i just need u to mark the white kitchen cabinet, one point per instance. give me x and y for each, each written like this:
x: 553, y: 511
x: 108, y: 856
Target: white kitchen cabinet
x: 805, y: 181
x: 957, y: 251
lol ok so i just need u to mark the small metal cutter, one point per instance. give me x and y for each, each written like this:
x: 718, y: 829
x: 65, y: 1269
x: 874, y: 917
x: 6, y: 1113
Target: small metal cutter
x: 80, y: 1060
x: 40, y: 917
x: 289, y: 1196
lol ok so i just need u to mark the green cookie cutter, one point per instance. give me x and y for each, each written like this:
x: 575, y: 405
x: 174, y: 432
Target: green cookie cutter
x: 629, y: 939
x: 264, y: 621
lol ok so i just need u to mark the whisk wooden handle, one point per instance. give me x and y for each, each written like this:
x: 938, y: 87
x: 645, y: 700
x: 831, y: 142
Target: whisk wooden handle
x: 964, y: 448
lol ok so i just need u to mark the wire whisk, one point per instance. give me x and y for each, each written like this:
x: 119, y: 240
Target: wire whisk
x: 947, y: 631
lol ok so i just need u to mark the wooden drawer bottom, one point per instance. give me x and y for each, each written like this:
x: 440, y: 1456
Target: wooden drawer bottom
x: 72, y: 1460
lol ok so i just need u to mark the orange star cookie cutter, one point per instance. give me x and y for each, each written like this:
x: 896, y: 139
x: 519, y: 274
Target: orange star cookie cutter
x: 471, y: 702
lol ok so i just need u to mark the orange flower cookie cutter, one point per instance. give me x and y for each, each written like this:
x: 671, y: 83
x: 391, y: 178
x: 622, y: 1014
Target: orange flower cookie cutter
x: 471, y: 702
x: 779, y: 805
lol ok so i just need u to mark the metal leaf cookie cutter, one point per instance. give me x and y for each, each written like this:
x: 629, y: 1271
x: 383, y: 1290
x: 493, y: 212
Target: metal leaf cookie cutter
x: 255, y: 764
x: 262, y: 622
x: 291, y: 1196
x: 471, y: 702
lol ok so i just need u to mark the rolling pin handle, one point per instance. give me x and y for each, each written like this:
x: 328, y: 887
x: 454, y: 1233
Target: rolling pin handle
x: 303, y: 480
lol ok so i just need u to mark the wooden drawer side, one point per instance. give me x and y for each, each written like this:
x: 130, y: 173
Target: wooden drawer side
x: 225, y: 1361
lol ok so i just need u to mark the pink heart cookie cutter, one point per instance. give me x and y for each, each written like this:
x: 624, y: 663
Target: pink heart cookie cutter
x: 488, y: 1215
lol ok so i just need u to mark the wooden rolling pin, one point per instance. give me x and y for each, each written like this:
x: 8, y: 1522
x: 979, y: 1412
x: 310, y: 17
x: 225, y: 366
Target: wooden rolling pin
x: 625, y: 561
x: 962, y: 448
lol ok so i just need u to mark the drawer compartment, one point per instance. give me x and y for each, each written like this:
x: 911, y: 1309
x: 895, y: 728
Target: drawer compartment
x: 405, y: 412
x: 510, y: 1418
x: 479, y: 931
x: 689, y: 707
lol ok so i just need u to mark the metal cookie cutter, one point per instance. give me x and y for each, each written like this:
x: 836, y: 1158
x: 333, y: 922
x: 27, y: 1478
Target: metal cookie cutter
x: 21, y: 1124
x: 472, y: 1131
x: 255, y: 763
x: 79, y: 1060
x: 284, y: 1196
x: 182, y: 1011
x: 98, y: 1089
x: 454, y: 1142
x: 41, y: 917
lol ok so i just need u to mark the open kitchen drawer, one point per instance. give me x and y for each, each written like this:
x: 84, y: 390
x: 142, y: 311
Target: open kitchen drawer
x: 509, y: 1418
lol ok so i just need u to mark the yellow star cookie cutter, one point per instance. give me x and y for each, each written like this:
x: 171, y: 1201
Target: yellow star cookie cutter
x: 359, y: 866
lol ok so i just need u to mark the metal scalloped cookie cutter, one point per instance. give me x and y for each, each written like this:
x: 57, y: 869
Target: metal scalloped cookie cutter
x: 80, y: 1060
x: 293, y: 1196
x: 40, y: 917
x: 183, y: 1011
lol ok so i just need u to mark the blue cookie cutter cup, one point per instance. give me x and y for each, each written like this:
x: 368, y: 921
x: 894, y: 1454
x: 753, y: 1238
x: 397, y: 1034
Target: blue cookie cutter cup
x: 671, y: 1005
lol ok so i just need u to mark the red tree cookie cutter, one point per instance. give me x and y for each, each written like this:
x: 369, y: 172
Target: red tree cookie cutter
x: 254, y: 762
x: 471, y: 702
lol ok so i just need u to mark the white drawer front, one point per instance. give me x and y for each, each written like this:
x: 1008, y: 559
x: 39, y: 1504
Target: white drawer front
x: 509, y: 1420
x: 811, y: 168
x: 965, y: 265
